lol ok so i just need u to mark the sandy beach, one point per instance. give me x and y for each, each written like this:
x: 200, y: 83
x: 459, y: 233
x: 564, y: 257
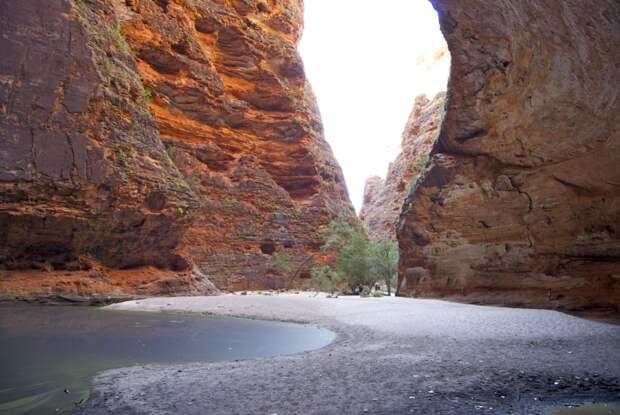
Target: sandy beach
x: 391, y: 356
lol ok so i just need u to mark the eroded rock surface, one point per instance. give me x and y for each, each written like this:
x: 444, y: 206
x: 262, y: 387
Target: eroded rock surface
x: 384, y: 198
x: 240, y: 122
x: 154, y: 146
x: 521, y: 202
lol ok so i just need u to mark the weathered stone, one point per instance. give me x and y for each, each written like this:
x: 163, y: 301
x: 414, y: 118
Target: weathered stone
x: 522, y: 195
x: 383, y: 199
x: 158, y: 144
x: 241, y: 124
x: 151, y: 146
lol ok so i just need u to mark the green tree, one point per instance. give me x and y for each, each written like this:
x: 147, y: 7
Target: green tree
x: 352, y: 248
x: 383, y: 260
x: 291, y: 266
x: 282, y: 261
x: 323, y: 278
x: 359, y: 261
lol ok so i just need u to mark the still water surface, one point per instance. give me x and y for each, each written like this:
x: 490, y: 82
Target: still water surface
x: 596, y: 409
x: 48, y: 355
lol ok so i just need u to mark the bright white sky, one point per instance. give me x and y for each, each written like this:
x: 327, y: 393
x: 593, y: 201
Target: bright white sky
x: 367, y: 60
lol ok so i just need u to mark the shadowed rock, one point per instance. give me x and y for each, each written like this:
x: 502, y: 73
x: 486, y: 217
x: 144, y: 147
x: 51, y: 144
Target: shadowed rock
x: 521, y: 201
x: 159, y: 138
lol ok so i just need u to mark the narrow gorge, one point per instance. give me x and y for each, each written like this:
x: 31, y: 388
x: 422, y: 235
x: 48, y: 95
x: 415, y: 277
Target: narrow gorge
x: 177, y: 235
x: 154, y: 147
x: 383, y: 198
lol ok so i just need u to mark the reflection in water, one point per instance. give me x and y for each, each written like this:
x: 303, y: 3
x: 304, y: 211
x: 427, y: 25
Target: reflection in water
x: 49, y: 354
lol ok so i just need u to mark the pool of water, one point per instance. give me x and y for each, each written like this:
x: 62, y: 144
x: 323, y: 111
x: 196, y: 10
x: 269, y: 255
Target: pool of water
x: 48, y: 355
x: 596, y: 409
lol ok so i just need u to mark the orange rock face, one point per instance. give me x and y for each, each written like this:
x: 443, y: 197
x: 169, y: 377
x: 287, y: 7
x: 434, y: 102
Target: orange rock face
x: 383, y: 199
x: 169, y: 135
x: 174, y: 146
x: 521, y: 202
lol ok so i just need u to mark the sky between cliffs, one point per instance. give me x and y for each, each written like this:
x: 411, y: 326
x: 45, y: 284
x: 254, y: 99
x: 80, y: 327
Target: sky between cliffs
x: 367, y: 60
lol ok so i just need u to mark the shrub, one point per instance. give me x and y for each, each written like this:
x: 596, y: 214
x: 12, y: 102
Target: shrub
x: 421, y: 161
x: 292, y: 266
x: 351, y: 244
x: 360, y: 262
x: 147, y: 94
x: 384, y: 262
x: 115, y: 33
x: 323, y: 278
x: 230, y: 202
x: 282, y: 261
x: 411, y: 184
x: 171, y: 149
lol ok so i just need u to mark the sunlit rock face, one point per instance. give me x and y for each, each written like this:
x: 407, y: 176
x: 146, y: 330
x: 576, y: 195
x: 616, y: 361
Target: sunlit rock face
x: 373, y: 187
x: 152, y: 146
x: 521, y: 202
x: 383, y: 199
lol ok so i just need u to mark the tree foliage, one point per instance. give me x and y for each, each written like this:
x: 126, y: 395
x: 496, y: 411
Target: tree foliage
x: 360, y: 262
x: 282, y: 261
x: 351, y: 245
x: 290, y: 265
x: 383, y: 256
x: 324, y: 278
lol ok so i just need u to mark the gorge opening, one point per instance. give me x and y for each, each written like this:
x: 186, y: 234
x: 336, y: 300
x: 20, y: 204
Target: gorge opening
x: 174, y: 149
x: 367, y: 63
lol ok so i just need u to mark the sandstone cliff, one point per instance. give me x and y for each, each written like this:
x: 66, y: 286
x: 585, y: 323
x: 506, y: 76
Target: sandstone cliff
x: 383, y: 199
x: 521, y: 201
x: 156, y: 146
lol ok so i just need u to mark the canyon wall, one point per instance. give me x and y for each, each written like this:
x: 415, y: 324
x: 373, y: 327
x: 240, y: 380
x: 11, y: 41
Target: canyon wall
x: 158, y: 146
x: 384, y: 198
x: 520, y: 203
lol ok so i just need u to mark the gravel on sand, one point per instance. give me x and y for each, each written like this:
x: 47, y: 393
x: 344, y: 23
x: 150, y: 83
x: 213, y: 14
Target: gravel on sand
x: 391, y: 356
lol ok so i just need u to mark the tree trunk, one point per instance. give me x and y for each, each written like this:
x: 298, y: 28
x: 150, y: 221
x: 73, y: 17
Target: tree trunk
x: 297, y: 271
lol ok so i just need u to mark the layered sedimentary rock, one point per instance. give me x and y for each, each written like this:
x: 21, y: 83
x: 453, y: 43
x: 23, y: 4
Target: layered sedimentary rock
x: 152, y: 146
x: 372, y: 188
x: 384, y: 198
x: 521, y: 201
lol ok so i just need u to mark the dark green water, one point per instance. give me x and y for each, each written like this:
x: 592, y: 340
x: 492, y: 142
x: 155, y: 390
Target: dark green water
x: 48, y: 355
